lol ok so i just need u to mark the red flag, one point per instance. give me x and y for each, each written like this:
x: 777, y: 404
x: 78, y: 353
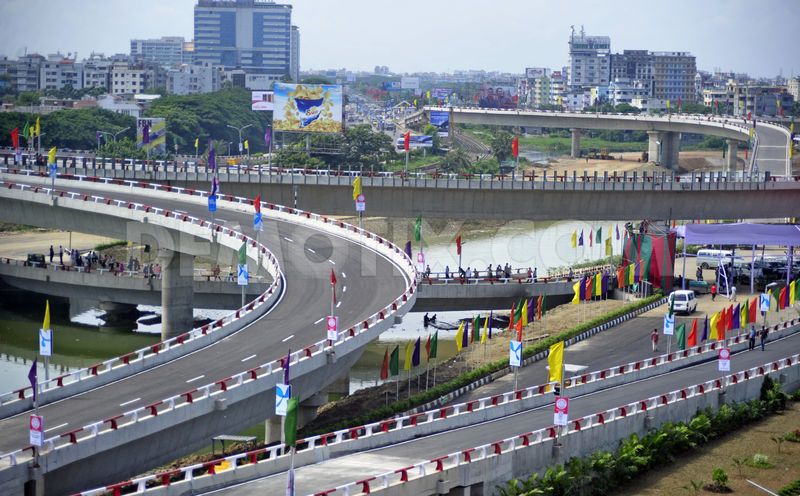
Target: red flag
x: 458, y: 245
x: 333, y: 278
x: 752, y: 311
x: 15, y: 137
x: 539, y: 307
x: 782, y: 298
x: 511, y: 316
x: 407, y: 141
x: 692, y: 339
x: 257, y: 203
x: 515, y: 147
x: 427, y: 347
x: 385, y: 366
x: 519, y: 330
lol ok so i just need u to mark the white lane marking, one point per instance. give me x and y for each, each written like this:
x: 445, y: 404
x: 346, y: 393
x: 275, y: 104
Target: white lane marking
x: 287, y: 338
x: 312, y: 251
x: 289, y: 240
x: 249, y: 358
x: 195, y: 378
x: 344, y: 275
x: 57, y: 427
x: 332, y: 262
x: 344, y: 289
x: 320, y: 320
x: 338, y: 304
x: 129, y: 402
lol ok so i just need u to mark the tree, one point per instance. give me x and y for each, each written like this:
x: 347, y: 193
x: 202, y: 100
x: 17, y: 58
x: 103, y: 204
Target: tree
x: 431, y: 130
x: 626, y: 109
x: 456, y: 160
x: 28, y: 99
x: 315, y: 80
x: 366, y: 148
x: 500, y: 143
x: 695, y: 108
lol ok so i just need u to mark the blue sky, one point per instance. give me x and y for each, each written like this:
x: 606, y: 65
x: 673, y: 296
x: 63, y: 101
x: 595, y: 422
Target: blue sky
x: 438, y: 35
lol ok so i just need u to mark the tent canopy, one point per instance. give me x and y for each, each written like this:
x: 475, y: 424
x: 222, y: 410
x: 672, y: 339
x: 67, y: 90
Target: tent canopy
x: 740, y: 234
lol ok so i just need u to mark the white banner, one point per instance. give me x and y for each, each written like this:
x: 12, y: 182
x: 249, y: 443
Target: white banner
x: 763, y: 302
x: 669, y: 325
x: 46, y: 342
x: 242, y: 276
x: 515, y: 354
x: 724, y: 359
x: 36, y: 426
x: 282, y: 394
x: 561, y: 411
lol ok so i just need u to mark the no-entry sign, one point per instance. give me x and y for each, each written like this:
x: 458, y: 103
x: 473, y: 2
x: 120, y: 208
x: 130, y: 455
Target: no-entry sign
x: 561, y: 411
x: 724, y: 359
x: 332, y: 324
x: 36, y: 430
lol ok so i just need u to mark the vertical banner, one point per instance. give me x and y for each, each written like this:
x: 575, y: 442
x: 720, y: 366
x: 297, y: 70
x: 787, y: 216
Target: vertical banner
x: 515, y: 353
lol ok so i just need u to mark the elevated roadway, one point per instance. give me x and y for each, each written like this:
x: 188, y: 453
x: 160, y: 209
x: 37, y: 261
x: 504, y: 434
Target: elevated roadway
x: 368, y: 281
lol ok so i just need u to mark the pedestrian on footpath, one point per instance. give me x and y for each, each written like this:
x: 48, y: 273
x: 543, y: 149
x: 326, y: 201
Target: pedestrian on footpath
x: 763, y: 336
x: 52, y: 254
x: 654, y: 339
x: 752, y: 337
x: 713, y: 292
x: 60, y: 255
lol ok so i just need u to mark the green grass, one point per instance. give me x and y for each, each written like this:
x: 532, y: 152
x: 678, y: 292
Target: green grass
x: 111, y: 244
x: 414, y: 162
x: 6, y: 227
x: 562, y: 144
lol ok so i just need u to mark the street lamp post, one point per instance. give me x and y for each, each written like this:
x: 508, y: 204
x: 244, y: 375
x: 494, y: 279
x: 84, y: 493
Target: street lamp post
x: 239, y: 130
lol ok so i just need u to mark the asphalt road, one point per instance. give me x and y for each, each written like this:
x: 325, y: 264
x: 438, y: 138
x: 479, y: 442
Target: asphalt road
x: 329, y: 474
x: 366, y: 283
x: 771, y: 152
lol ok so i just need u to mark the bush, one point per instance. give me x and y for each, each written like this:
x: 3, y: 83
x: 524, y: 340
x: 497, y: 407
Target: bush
x: 792, y: 489
x: 759, y: 461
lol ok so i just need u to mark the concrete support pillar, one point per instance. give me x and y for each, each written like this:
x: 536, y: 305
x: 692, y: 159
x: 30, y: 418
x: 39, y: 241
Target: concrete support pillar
x: 576, y: 143
x: 177, y: 292
x: 730, y: 158
x: 671, y: 150
x: 654, y: 146
x: 273, y: 430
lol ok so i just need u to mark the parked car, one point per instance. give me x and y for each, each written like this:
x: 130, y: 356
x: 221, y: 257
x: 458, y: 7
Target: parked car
x: 35, y: 260
x: 684, y: 301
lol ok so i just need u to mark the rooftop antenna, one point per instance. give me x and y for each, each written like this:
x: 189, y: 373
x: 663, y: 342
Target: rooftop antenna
x: 583, y: 33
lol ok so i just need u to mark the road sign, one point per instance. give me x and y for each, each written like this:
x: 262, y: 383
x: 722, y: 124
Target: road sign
x: 258, y: 222
x: 669, y: 325
x: 332, y: 325
x: 561, y: 410
x: 46, y: 342
x: 763, y: 302
x: 243, y: 275
x: 282, y: 394
x: 515, y: 353
x: 724, y: 359
x: 421, y: 261
x: 212, y: 203
x: 361, y: 203
x: 36, y: 430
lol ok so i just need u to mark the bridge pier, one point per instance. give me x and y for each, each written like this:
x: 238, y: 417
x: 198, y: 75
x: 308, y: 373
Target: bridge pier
x: 177, y: 292
x: 730, y: 158
x: 663, y: 148
x: 576, y: 143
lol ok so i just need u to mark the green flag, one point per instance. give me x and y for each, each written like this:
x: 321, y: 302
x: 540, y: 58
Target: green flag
x: 672, y: 306
x: 599, y: 237
x: 243, y: 254
x: 434, y: 344
x: 476, y: 328
x: 418, y: 228
x: 290, y: 425
x: 544, y: 304
x: 394, y: 359
x: 680, y: 336
x: 518, y: 310
x: 26, y: 131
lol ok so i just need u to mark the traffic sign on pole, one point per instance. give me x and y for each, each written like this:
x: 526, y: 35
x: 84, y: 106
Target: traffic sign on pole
x: 561, y: 411
x: 724, y: 359
x: 212, y: 203
x: 36, y: 425
x: 361, y: 203
x: 332, y: 325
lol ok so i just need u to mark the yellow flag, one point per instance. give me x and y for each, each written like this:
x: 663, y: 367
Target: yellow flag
x: 667, y: 104
x: 791, y: 293
x: 196, y: 143
x: 577, y: 288
x: 38, y: 129
x: 409, y: 352
x: 246, y: 144
x: 712, y: 334
x: 356, y: 187
x: 459, y: 336
x: 485, y: 333
x: 51, y: 156
x: 415, y: 102
x: 46, y: 323
x: 428, y: 94
x: 524, y: 312
x: 556, y: 362
x: 609, y: 248
x: 574, y: 239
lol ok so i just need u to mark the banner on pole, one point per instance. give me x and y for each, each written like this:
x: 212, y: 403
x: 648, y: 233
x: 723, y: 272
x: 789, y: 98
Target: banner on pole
x: 258, y: 222
x: 332, y: 325
x: 763, y: 302
x: 46, y: 342
x: 421, y: 262
x: 282, y: 394
x: 515, y: 354
x: 669, y: 325
x: 36, y: 430
x: 212, y: 203
x: 243, y: 276
x: 724, y: 359
x: 561, y: 411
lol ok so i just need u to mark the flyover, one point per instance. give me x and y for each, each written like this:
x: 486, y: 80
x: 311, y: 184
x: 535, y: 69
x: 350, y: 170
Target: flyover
x: 147, y: 411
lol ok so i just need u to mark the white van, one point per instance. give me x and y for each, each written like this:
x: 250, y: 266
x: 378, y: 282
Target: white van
x: 710, y: 258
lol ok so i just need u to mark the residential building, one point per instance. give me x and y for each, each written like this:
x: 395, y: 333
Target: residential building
x: 793, y: 85
x: 118, y: 105
x: 97, y: 72
x: 294, y: 54
x: 634, y: 65
x: 164, y: 51
x: 25, y: 74
x: 757, y: 100
x: 674, y: 76
x: 589, y: 61
x: 58, y: 71
x: 252, y: 35
x: 624, y: 90
x: 193, y: 78
x: 649, y: 104
x: 129, y: 79
x: 717, y: 99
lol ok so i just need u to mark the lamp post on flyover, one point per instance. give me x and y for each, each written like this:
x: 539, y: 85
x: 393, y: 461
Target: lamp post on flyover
x: 239, y: 130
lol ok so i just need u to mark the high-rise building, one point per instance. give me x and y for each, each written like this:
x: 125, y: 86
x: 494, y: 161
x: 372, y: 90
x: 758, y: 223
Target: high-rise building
x: 24, y: 75
x: 793, y: 86
x: 97, y: 72
x: 294, y: 56
x: 589, y: 60
x: 674, y: 76
x: 167, y: 50
x: 193, y: 78
x: 130, y: 79
x: 253, y: 35
x: 634, y: 65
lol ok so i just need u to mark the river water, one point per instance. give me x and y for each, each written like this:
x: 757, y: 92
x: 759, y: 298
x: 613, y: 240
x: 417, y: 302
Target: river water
x: 85, y: 339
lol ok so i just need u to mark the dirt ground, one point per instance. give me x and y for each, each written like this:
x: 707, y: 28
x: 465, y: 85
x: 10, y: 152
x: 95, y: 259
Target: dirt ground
x: 631, y: 161
x: 697, y: 465
x: 18, y: 244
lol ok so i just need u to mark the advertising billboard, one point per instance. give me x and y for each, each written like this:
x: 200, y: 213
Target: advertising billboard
x: 492, y: 96
x: 308, y: 108
x: 391, y: 86
x: 415, y: 142
x: 440, y: 93
x: 442, y: 122
x: 261, y: 100
x: 535, y: 72
x: 409, y: 83
x: 151, y: 135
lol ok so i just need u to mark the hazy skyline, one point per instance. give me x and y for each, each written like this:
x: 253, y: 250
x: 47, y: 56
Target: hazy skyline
x: 437, y: 36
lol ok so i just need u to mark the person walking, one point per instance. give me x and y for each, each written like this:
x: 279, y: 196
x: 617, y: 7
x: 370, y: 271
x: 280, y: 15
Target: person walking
x: 752, y: 337
x: 699, y: 274
x: 52, y: 254
x: 763, y: 336
x: 654, y: 339
x: 60, y: 255
x: 713, y: 292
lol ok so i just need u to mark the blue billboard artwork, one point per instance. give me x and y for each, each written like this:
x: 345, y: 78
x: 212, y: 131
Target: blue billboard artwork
x: 392, y: 86
x: 441, y: 120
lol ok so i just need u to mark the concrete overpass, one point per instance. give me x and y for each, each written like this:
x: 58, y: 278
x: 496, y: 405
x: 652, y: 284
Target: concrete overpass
x: 147, y: 411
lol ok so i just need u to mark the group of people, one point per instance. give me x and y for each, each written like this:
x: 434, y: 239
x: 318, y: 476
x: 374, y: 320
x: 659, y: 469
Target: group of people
x: 498, y: 272
x: 92, y: 260
x: 751, y: 336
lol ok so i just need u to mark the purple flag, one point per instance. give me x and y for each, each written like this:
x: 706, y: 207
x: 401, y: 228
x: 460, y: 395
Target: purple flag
x: 465, y: 337
x: 490, y: 324
x: 268, y: 137
x: 617, y: 232
x: 146, y: 133
x: 531, y: 310
x: 705, y: 330
x: 408, y: 249
x: 286, y: 366
x: 214, y: 186
x: 97, y: 135
x: 415, y: 354
x: 212, y: 156
x: 580, y: 240
x: 33, y: 379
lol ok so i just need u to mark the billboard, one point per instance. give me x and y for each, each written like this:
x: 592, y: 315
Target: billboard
x: 415, y: 142
x: 151, y: 135
x: 442, y: 122
x: 492, y: 96
x: 391, y: 86
x: 440, y: 93
x: 309, y: 108
x: 261, y: 100
x: 535, y: 72
x: 409, y: 83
